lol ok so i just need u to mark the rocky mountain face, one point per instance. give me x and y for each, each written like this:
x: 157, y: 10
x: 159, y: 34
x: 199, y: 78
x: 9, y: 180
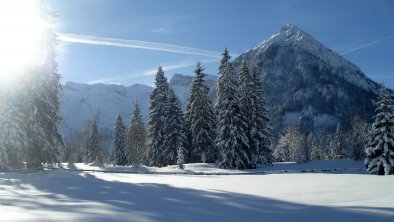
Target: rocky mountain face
x: 305, y: 83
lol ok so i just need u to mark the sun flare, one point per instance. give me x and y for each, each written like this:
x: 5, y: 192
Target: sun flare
x: 23, y: 30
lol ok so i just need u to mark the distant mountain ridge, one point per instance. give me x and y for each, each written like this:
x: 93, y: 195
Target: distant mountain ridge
x: 303, y: 79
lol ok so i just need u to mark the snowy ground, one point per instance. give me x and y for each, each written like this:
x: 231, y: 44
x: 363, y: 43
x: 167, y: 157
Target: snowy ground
x: 61, y: 195
x: 329, y: 166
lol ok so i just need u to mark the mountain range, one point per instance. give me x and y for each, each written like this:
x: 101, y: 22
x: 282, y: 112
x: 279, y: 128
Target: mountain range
x: 304, y: 82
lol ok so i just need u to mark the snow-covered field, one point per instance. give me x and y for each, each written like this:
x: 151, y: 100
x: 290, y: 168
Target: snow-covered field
x: 60, y: 195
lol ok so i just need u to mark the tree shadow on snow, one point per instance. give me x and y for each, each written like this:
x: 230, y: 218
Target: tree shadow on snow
x: 74, y: 193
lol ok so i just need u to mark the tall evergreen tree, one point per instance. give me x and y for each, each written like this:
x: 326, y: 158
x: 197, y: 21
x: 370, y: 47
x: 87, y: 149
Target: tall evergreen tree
x: 263, y: 134
x: 314, y: 150
x: 119, y: 146
x: 201, y: 120
x: 224, y: 61
x: 43, y: 118
x: 380, y: 146
x: 173, y: 129
x: 13, y: 136
x: 338, y: 150
x: 357, y: 138
x: 291, y: 146
x: 35, y: 116
x: 249, y: 111
x: 156, y: 121
x: 232, y: 140
x: 136, y: 138
x: 94, y: 147
x: 256, y: 113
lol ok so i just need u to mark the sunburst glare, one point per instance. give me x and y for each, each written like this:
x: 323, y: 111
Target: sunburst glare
x: 23, y: 27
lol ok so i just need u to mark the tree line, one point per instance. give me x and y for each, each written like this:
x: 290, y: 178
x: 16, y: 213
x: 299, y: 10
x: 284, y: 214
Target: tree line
x: 234, y: 132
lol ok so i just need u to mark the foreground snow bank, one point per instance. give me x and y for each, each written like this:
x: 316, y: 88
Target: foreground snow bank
x: 331, y: 166
x: 61, y: 195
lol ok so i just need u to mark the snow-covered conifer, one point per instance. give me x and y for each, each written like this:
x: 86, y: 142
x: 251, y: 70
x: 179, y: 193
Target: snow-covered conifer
x: 357, y: 138
x: 232, y: 140
x: 380, y: 146
x: 119, y: 146
x: 338, y: 149
x: 42, y: 120
x: 13, y: 138
x: 261, y: 131
x: 136, y: 138
x: 94, y: 147
x: 173, y: 129
x: 200, y: 120
x: 291, y: 146
x: 156, y: 120
x: 314, y: 150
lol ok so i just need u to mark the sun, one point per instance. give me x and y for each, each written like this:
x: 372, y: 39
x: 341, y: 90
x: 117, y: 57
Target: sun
x: 23, y: 32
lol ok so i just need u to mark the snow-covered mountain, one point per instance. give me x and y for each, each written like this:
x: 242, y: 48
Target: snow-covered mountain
x: 82, y: 102
x: 304, y: 80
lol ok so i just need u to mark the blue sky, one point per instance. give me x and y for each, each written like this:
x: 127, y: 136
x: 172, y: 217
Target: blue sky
x: 212, y: 25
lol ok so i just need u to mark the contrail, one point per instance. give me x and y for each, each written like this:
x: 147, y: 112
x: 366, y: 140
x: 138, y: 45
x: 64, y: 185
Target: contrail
x: 367, y: 44
x: 92, y: 40
x: 151, y: 71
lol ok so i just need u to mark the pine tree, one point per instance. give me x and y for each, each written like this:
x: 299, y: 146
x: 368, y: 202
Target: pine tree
x: 200, y: 120
x: 338, y: 150
x: 156, y: 121
x: 224, y: 61
x: 249, y: 111
x: 315, y: 152
x: 263, y: 131
x: 136, y: 138
x: 119, y: 146
x: 291, y: 146
x: 255, y: 110
x: 357, y: 138
x: 43, y: 105
x: 13, y: 142
x: 33, y: 115
x: 94, y: 147
x: 232, y: 140
x: 380, y: 146
x: 173, y: 135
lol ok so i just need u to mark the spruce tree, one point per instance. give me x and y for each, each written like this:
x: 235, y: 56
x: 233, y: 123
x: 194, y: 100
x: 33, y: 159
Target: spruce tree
x: 173, y: 129
x: 232, y: 140
x: 263, y: 134
x: 338, y: 150
x: 201, y: 120
x: 314, y: 150
x: 136, y: 138
x: 119, y: 146
x: 156, y: 121
x: 43, y: 117
x: 13, y: 136
x: 357, y: 138
x: 249, y: 111
x: 94, y: 146
x: 255, y: 110
x: 291, y: 146
x: 380, y: 146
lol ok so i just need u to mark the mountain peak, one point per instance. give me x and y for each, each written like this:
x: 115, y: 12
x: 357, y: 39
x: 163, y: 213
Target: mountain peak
x: 290, y: 28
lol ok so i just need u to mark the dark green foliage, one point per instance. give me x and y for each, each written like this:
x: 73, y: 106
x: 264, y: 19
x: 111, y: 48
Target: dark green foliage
x: 119, y: 146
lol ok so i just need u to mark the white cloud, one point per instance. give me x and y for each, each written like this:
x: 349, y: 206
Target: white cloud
x: 92, y: 40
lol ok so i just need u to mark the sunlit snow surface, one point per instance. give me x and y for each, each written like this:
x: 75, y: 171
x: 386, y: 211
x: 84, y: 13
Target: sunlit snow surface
x: 346, y: 194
